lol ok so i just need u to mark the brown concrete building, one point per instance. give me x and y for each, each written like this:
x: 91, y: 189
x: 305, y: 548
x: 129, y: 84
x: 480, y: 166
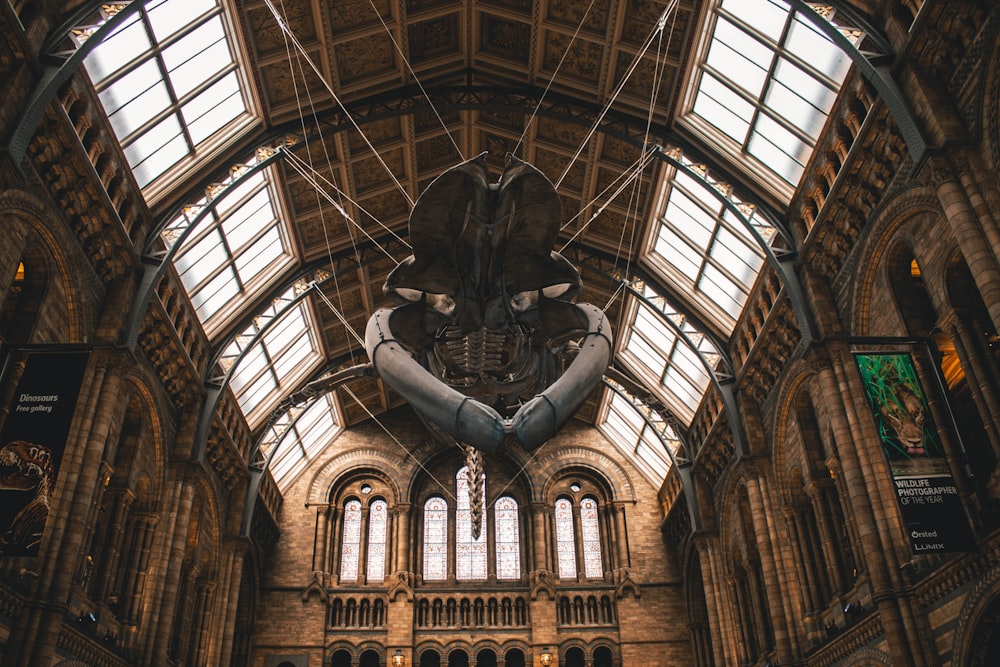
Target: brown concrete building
x: 788, y: 211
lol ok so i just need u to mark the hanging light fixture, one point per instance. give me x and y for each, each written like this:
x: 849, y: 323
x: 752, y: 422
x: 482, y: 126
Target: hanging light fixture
x: 398, y: 660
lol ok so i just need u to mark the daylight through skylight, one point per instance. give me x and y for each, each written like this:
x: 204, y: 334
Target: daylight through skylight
x: 168, y: 82
x: 766, y: 83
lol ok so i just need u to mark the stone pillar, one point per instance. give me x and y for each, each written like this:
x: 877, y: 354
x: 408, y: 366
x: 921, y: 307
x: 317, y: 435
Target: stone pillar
x: 878, y: 547
x: 401, y: 541
x: 704, y: 547
x: 132, y: 579
x: 67, y: 527
x: 230, y: 602
x: 109, y: 556
x: 774, y: 586
x: 621, y: 534
x: 321, y: 541
x: 169, y: 562
x: 967, y: 226
x: 540, y: 538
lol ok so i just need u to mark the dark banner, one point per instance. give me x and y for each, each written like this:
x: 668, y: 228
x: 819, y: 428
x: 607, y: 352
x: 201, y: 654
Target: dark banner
x: 32, y: 443
x: 928, y: 498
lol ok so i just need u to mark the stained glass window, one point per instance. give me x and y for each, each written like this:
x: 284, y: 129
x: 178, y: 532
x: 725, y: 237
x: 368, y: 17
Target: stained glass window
x: 351, y: 543
x: 377, y: 515
x: 591, y: 538
x: 508, y: 541
x: 435, y: 539
x: 470, y: 553
x: 565, y: 539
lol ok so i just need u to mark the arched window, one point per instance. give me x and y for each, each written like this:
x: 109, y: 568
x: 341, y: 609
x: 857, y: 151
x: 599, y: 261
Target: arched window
x: 592, y: 564
x: 508, y: 540
x: 565, y: 539
x: 350, y: 548
x: 378, y: 512
x: 578, y: 532
x: 435, y: 539
x: 496, y: 552
x: 470, y: 552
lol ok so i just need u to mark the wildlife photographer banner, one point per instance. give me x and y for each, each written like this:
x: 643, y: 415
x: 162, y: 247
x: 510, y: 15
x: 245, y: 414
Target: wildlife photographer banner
x: 928, y: 498
x: 32, y: 443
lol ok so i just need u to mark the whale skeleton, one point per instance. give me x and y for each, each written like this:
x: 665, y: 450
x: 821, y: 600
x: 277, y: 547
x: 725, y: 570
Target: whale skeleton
x: 485, y: 341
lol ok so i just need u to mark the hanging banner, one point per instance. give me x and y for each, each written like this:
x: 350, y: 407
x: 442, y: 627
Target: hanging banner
x: 928, y: 498
x: 32, y: 443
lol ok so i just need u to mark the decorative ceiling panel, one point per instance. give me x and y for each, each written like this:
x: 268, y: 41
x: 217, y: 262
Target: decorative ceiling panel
x: 359, y: 60
x: 435, y: 39
x: 505, y: 38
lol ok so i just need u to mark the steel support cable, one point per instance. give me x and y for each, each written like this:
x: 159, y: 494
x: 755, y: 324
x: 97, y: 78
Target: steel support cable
x: 671, y: 6
x: 329, y: 165
x: 313, y: 177
x: 336, y: 98
x: 552, y: 78
x: 416, y: 79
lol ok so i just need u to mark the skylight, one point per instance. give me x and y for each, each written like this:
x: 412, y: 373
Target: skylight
x: 765, y: 85
x: 169, y: 84
x: 300, y: 436
x: 627, y: 427
x: 657, y: 354
x: 240, y: 246
x: 703, y: 246
x: 285, y: 351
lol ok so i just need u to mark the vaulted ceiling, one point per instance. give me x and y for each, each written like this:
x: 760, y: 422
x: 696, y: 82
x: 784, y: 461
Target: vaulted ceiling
x: 282, y: 143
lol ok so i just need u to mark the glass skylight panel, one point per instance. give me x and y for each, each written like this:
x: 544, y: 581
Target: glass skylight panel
x: 703, y: 247
x: 239, y: 245
x: 668, y: 364
x: 285, y: 353
x: 766, y: 83
x: 629, y: 431
x: 169, y: 84
x: 300, y: 440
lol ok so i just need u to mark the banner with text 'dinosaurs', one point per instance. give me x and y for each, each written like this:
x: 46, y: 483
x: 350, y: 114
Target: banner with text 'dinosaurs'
x: 32, y: 443
x: 928, y: 498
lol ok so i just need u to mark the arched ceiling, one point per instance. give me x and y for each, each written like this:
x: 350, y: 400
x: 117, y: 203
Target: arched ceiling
x: 295, y: 136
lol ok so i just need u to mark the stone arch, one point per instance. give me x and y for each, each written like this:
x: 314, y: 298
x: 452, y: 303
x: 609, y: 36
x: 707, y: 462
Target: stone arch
x: 351, y: 465
x: 601, y: 466
x: 33, y: 226
x: 981, y: 607
x: 888, y: 227
x: 868, y: 657
x: 990, y: 121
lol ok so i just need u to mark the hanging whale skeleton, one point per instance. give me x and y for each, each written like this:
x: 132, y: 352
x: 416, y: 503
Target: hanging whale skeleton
x: 485, y: 341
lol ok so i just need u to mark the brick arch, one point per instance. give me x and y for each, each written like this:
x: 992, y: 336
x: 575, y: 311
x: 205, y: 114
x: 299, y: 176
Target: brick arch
x: 979, y: 598
x: 216, y: 528
x: 732, y: 488
x: 798, y: 378
x: 551, y: 466
x: 394, y: 472
x: 884, y: 233
x: 429, y: 645
x: 868, y: 657
x: 990, y: 121
x: 38, y: 220
x: 138, y: 384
